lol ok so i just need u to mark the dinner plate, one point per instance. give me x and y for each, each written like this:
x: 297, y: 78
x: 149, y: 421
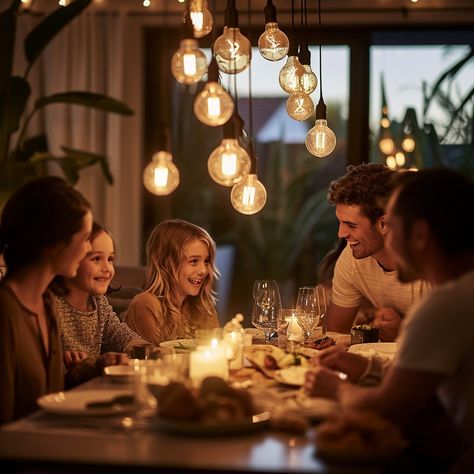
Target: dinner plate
x: 257, y: 422
x: 370, y: 349
x: 180, y: 346
x: 119, y: 373
x: 293, y: 375
x: 75, y: 402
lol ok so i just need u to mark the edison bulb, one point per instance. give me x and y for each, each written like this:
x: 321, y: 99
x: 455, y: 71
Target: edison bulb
x: 249, y: 196
x: 228, y: 163
x: 408, y: 144
x: 290, y: 75
x: 273, y: 44
x: 188, y: 64
x: 386, y: 145
x: 299, y: 106
x: 213, y: 105
x: 161, y: 176
x: 201, y: 18
x: 385, y: 122
x: 232, y: 51
x: 320, y: 140
x: 391, y: 162
x: 400, y: 158
x: 308, y: 79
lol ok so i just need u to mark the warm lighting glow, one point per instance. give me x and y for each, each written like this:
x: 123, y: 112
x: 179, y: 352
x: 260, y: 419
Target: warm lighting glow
x: 299, y: 106
x: 161, y: 177
x: 385, y: 122
x: 391, y: 163
x: 146, y: 3
x: 308, y: 80
x: 399, y: 158
x: 249, y: 196
x: 228, y: 163
x: 232, y: 51
x: 188, y: 64
x: 201, y: 18
x: 273, y: 44
x: 386, y: 145
x: 408, y: 144
x: 290, y: 75
x: 213, y: 106
x: 320, y: 140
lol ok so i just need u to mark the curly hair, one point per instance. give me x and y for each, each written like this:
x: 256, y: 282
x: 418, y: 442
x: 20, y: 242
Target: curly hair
x: 164, y: 254
x: 368, y: 186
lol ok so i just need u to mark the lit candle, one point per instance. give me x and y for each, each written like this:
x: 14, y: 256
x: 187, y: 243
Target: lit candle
x: 235, y: 349
x: 294, y: 332
x: 208, y: 361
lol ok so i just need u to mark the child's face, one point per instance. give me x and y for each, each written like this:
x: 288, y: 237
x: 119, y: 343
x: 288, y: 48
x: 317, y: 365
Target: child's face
x: 96, y: 270
x: 194, y: 268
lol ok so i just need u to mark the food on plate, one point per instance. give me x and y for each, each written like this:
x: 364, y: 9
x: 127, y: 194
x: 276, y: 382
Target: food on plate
x: 364, y: 333
x: 270, y: 358
x: 216, y: 402
x: 322, y: 343
x: 358, y: 434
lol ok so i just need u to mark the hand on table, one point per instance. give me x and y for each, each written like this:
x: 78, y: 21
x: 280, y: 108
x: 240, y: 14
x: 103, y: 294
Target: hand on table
x: 388, y: 321
x: 337, y: 358
x: 322, y: 382
x: 111, y: 358
x: 72, y: 358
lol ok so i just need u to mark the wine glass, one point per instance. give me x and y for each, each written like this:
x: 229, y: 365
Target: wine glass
x: 308, y: 310
x: 322, y: 308
x: 267, y: 307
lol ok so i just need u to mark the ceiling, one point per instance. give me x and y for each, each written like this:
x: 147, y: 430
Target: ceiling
x: 334, y: 12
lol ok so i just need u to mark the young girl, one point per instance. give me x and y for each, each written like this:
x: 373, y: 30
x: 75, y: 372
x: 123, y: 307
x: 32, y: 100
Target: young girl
x: 88, y: 323
x: 178, y: 296
x: 44, y: 232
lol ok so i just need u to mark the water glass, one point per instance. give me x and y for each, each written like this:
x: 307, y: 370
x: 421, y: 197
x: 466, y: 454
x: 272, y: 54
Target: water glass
x: 267, y: 307
x: 308, y: 310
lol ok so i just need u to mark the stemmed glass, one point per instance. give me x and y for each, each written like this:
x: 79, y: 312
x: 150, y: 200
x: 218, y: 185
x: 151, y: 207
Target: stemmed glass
x: 308, y: 310
x: 267, y: 307
x: 322, y: 307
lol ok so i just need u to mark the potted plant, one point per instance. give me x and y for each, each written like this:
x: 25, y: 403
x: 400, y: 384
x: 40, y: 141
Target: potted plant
x: 25, y: 157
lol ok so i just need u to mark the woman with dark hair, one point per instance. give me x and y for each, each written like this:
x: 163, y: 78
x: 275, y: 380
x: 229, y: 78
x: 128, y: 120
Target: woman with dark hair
x: 44, y: 232
x: 178, y: 296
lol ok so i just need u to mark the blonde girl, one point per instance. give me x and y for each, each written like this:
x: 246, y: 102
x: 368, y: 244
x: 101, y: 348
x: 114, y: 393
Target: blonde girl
x: 178, y: 296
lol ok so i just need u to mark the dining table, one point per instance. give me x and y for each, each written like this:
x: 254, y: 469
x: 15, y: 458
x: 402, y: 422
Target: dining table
x: 48, y: 442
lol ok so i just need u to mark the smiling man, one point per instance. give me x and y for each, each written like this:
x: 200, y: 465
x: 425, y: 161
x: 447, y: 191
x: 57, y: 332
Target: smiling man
x: 365, y: 270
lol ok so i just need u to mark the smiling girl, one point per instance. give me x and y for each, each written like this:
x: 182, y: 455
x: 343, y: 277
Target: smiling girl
x: 178, y: 295
x: 88, y: 323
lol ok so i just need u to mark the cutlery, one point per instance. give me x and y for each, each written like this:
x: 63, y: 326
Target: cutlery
x: 118, y: 400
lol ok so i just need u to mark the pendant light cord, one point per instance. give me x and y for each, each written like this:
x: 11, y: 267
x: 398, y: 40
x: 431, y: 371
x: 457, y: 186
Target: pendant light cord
x: 249, y: 15
x: 320, y: 52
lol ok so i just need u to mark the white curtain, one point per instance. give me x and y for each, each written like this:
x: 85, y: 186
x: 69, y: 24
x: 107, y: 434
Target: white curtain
x: 98, y: 52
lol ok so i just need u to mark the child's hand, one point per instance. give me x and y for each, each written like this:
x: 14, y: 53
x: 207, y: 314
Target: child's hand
x: 72, y: 358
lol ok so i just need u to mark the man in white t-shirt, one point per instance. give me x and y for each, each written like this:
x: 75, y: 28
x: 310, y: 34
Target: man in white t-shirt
x: 431, y: 234
x: 365, y: 270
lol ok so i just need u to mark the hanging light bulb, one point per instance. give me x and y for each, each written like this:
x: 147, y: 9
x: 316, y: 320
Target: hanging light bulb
x: 408, y: 143
x: 232, y: 49
x: 290, y: 74
x: 400, y: 158
x: 299, y: 106
x: 161, y: 176
x: 201, y: 18
x: 273, y: 44
x: 391, y: 162
x: 386, y: 143
x: 320, y: 140
x: 308, y: 79
x: 188, y: 64
x: 213, y: 106
x: 229, y: 162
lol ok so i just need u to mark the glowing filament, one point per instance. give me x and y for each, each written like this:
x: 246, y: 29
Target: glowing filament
x: 189, y: 64
x: 214, y: 106
x: 233, y: 48
x: 229, y: 164
x: 248, y: 196
x: 320, y: 140
x: 161, y: 176
x: 197, y: 20
x: 300, y: 109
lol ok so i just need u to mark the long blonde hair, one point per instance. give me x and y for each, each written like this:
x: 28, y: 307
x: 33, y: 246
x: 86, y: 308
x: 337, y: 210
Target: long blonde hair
x: 165, y: 254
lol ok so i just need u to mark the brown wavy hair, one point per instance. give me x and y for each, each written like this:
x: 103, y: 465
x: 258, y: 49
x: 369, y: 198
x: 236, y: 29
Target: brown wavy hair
x: 164, y: 254
x: 368, y: 186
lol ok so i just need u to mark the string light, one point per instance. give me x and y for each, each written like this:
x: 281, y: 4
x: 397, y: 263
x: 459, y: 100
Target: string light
x: 273, y: 43
x: 299, y: 106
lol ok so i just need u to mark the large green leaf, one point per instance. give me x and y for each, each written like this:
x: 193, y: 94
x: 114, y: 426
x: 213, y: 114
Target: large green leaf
x: 85, y: 159
x: 40, y: 36
x: 87, y: 99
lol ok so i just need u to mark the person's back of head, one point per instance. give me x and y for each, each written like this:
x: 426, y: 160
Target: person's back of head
x: 43, y: 212
x: 443, y: 198
x: 368, y: 186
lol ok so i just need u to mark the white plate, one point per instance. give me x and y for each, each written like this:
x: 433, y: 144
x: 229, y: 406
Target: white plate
x: 119, y: 373
x: 255, y: 423
x: 75, y: 402
x: 180, y: 346
x: 293, y: 375
x: 370, y: 349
